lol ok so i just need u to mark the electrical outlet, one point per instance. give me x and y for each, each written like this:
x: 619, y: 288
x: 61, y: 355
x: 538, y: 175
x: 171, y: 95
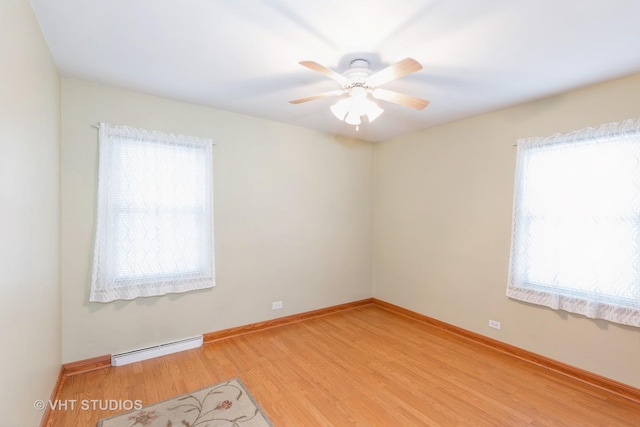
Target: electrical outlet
x: 276, y: 305
x: 494, y: 324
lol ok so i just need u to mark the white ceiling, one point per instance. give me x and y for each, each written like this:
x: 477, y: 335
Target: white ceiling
x: 242, y: 55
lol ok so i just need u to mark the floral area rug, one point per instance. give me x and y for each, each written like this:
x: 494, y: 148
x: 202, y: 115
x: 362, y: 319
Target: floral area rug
x: 222, y: 405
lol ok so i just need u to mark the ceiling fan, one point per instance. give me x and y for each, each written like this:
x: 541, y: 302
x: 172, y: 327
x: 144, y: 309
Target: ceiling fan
x: 358, y: 82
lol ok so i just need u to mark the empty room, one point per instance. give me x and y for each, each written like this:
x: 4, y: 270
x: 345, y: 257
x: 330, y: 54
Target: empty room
x: 281, y: 213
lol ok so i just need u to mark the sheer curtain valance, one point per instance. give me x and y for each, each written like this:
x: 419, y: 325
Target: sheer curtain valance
x: 154, y: 230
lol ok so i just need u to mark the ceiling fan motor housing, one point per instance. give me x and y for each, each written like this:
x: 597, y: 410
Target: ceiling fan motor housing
x: 358, y: 83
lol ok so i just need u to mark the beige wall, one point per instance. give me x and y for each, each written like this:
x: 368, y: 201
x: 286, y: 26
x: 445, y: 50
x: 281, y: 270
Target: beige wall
x: 443, y: 206
x: 293, y: 222
x: 29, y: 216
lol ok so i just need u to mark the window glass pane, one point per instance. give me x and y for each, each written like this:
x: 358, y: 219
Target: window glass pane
x: 162, y: 175
x: 578, y: 200
x: 158, y: 245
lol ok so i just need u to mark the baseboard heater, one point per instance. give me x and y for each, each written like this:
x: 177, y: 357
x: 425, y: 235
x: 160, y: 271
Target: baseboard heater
x: 155, y: 351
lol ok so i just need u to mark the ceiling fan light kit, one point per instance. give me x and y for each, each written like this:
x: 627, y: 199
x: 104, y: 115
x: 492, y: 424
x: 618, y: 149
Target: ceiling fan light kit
x: 351, y: 109
x: 358, y: 82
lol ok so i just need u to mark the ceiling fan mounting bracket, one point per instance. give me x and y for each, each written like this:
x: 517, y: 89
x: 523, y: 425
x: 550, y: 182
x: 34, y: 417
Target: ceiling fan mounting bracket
x: 359, y: 63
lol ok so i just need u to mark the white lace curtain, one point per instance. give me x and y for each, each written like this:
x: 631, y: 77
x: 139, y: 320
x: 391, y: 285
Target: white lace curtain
x: 154, y: 230
x: 576, y: 223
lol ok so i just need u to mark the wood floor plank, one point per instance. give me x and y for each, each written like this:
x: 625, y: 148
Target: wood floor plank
x: 365, y: 366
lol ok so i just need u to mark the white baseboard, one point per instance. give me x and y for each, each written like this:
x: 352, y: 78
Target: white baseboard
x: 155, y: 351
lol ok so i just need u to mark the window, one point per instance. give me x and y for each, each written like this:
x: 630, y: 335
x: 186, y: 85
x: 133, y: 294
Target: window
x: 154, y: 231
x: 576, y: 223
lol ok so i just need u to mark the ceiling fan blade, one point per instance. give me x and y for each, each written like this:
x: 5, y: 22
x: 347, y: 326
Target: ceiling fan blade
x: 395, y: 71
x: 324, y: 70
x: 399, y: 98
x: 318, y: 96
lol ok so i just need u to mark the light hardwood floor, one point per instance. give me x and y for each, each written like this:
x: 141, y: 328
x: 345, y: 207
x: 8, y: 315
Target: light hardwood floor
x: 367, y: 367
